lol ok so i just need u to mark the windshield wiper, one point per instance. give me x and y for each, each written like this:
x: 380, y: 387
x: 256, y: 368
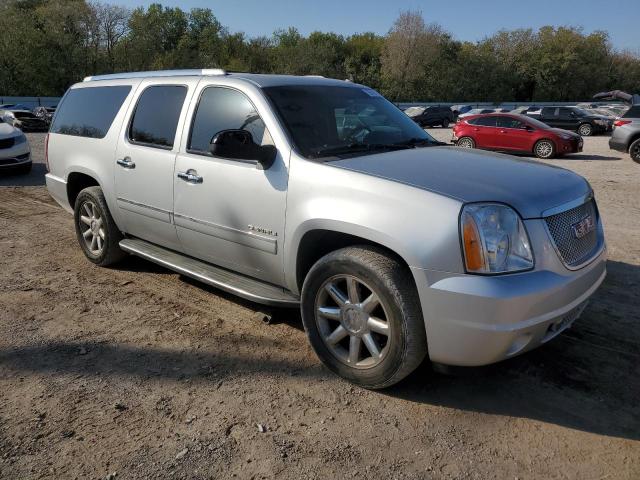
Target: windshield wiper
x: 421, y: 142
x: 358, y: 147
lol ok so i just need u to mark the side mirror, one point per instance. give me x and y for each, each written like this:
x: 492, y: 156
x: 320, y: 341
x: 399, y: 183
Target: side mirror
x: 239, y: 145
x: 529, y: 128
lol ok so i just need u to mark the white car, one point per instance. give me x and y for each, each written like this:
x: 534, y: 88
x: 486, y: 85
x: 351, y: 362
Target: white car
x: 15, y: 153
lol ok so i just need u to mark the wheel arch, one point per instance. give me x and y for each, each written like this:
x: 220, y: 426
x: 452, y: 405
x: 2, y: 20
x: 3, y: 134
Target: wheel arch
x: 78, y: 181
x: 317, y: 242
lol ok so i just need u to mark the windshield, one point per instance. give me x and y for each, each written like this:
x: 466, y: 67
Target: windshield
x: 328, y: 121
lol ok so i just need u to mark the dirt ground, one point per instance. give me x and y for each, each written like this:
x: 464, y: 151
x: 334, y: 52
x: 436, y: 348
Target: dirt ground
x: 136, y: 372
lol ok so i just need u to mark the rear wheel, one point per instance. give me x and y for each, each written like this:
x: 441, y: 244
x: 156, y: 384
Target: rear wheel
x: 445, y: 123
x: 361, y: 312
x: 466, y: 142
x: 97, y: 233
x: 634, y: 151
x: 585, y: 130
x: 544, y: 149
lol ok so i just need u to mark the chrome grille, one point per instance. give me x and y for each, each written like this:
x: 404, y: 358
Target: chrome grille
x: 574, y: 251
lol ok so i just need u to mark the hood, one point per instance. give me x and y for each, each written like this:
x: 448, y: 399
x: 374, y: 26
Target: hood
x: 561, y: 131
x: 7, y: 130
x: 475, y: 176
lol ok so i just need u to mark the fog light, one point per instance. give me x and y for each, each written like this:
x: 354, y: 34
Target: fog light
x: 519, y: 344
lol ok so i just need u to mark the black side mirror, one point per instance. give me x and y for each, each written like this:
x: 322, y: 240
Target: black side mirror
x: 239, y: 145
x: 529, y: 128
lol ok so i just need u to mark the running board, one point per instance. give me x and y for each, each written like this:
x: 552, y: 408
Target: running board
x: 235, y: 283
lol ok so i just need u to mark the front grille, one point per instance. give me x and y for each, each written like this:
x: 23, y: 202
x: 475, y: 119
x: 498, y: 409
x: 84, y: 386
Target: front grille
x: 574, y: 251
x: 7, y: 142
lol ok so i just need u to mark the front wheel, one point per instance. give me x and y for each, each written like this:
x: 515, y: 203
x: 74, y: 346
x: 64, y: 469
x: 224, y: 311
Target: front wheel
x: 97, y: 233
x: 466, y: 142
x: 362, y: 315
x: 634, y: 151
x: 544, y: 149
x: 586, y: 130
x: 445, y: 123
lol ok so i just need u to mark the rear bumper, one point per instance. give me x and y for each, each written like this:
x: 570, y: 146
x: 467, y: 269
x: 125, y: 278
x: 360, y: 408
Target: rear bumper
x: 476, y: 320
x: 618, y: 145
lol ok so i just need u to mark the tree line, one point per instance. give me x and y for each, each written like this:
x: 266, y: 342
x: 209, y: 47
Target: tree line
x: 47, y: 45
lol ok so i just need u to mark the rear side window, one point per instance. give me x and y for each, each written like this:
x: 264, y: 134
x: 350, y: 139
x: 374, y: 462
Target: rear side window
x: 224, y: 109
x: 155, y: 119
x: 486, y: 121
x: 89, y: 112
x: 549, y: 111
x: 633, y: 112
x: 509, y: 122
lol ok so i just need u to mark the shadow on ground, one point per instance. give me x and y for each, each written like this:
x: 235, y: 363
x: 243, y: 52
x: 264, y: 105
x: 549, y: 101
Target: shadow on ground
x: 33, y: 179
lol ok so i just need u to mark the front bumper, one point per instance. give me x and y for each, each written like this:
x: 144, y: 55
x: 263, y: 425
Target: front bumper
x: 474, y: 320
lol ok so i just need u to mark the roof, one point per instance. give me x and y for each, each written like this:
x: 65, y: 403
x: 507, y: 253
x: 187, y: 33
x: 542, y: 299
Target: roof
x: 261, y: 80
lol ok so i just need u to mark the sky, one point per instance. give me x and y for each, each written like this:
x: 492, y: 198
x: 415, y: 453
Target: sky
x: 465, y: 19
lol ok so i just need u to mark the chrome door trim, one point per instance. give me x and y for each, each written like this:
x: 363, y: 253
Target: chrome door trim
x: 144, y: 209
x: 243, y: 237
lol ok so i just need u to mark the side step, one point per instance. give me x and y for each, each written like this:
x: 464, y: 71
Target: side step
x: 235, y: 283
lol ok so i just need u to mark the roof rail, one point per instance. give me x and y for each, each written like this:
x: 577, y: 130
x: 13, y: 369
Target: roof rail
x: 157, y: 73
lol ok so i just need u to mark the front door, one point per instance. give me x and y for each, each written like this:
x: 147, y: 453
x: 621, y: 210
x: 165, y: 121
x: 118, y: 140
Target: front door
x: 230, y: 212
x: 512, y: 135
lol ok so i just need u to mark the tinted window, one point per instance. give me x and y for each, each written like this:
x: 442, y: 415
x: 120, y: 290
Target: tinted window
x: 486, y: 121
x: 549, y: 111
x: 89, y: 112
x: 224, y: 109
x: 509, y: 122
x: 633, y: 112
x: 155, y: 119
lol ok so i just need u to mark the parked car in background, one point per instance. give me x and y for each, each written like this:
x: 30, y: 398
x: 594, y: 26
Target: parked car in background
x: 626, y: 134
x: 524, y: 109
x: 23, y: 119
x: 431, y: 116
x: 574, y: 118
x: 460, y: 109
x: 394, y: 248
x: 476, y: 111
x: 45, y: 113
x: 515, y: 133
x: 15, y: 154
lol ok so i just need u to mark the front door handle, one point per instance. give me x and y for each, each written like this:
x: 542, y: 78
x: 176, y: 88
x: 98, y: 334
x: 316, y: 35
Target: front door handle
x: 190, y: 176
x: 126, y: 162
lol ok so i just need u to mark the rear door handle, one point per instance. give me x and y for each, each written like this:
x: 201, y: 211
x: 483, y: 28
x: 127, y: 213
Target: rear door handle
x: 126, y: 162
x: 190, y: 176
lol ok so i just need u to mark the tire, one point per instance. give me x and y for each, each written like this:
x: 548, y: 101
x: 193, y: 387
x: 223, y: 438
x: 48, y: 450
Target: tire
x: 634, y: 150
x: 466, y: 142
x: 585, y: 130
x: 358, y: 321
x: 93, y: 220
x: 544, y: 149
x: 445, y: 123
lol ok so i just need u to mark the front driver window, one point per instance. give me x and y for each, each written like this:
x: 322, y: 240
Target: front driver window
x: 222, y: 108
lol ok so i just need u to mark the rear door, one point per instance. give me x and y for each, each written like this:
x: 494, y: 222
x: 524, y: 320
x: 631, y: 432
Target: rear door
x: 145, y: 158
x: 485, y: 132
x: 512, y: 134
x: 549, y: 115
x: 567, y: 119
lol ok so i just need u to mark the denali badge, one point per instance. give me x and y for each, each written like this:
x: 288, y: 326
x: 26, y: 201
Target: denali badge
x: 583, y: 227
x: 266, y: 231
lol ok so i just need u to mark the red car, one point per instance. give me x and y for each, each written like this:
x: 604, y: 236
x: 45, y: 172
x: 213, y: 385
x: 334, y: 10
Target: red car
x: 508, y: 132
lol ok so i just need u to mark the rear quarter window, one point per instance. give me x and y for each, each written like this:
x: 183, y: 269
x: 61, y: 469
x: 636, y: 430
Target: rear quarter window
x: 89, y: 112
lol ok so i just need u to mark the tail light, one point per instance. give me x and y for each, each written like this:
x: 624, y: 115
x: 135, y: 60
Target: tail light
x: 46, y: 152
x: 619, y: 123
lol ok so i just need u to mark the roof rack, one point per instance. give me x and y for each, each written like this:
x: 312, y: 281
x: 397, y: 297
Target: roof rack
x: 158, y: 73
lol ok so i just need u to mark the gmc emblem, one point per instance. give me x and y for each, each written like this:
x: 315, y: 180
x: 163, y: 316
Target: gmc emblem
x: 583, y: 227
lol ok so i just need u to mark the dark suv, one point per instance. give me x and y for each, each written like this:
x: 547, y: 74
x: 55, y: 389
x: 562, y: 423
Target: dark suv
x: 432, y: 116
x: 626, y: 136
x: 576, y: 119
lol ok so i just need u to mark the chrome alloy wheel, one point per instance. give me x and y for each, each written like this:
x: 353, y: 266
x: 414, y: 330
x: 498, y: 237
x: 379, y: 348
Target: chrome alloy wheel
x: 465, y: 142
x: 352, y: 321
x: 90, y: 223
x: 544, y: 149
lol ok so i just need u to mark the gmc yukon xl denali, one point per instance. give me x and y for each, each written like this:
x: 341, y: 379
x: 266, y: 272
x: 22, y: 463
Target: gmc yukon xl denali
x: 320, y: 194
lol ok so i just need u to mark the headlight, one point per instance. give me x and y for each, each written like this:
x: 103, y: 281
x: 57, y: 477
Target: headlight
x: 566, y: 136
x: 494, y: 239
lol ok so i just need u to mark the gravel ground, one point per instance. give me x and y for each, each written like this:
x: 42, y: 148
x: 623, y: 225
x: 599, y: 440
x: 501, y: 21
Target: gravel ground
x: 136, y: 372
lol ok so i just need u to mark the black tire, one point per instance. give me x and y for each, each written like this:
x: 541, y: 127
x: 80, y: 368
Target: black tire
x: 466, y: 142
x: 634, y: 150
x: 110, y: 252
x: 544, y: 149
x: 406, y: 343
x: 445, y: 123
x: 585, y: 129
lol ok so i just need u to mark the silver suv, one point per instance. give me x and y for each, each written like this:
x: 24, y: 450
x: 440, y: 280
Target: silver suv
x: 320, y: 194
x: 626, y: 134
